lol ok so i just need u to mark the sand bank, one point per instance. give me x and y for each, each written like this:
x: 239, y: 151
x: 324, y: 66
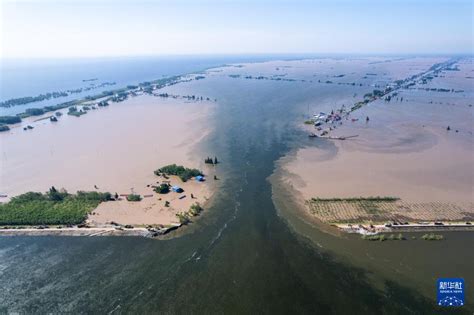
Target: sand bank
x: 152, y: 210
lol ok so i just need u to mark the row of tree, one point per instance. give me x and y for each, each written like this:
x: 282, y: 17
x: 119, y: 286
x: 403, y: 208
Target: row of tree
x: 209, y: 160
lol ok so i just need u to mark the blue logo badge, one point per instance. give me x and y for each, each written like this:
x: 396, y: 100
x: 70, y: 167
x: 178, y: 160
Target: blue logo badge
x: 450, y: 291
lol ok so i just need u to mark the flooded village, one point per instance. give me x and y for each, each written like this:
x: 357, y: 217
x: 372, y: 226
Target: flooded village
x: 370, y: 167
x: 236, y: 157
x: 355, y: 122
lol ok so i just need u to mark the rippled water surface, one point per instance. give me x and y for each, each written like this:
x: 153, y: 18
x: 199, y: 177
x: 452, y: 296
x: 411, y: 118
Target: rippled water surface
x: 240, y: 257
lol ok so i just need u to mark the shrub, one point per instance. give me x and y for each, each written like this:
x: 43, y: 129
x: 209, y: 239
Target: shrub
x: 195, y: 209
x: 432, y: 237
x: 183, y: 218
x: 180, y: 171
x: 34, y: 111
x: 9, y: 120
x: 94, y: 195
x: 55, y: 195
x: 162, y: 189
x: 134, y: 197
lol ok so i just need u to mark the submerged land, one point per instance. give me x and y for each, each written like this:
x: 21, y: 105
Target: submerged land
x: 399, y: 139
x: 411, y: 138
x: 113, y: 150
x: 270, y: 222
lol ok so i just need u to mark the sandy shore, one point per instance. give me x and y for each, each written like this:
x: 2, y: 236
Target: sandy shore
x: 152, y: 210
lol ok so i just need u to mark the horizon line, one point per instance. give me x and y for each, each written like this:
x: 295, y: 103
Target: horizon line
x: 262, y: 54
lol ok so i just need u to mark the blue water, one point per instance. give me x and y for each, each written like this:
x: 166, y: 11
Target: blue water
x: 21, y: 77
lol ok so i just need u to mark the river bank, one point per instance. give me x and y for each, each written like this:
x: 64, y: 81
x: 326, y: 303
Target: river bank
x: 74, y: 231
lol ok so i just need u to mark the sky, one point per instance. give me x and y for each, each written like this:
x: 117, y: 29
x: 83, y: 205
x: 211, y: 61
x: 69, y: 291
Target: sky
x: 86, y: 28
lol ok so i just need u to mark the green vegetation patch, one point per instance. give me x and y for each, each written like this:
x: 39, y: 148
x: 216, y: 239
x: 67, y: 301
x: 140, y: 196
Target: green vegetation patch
x: 180, y: 171
x: 74, y: 112
x: 34, y: 111
x: 53, y: 207
x: 162, y: 189
x: 185, y: 217
x: 195, y: 209
x: 134, y: 197
x: 383, y: 237
x: 8, y: 120
x: 432, y: 237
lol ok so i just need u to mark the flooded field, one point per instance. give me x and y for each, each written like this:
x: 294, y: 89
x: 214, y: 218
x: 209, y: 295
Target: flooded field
x: 253, y: 250
x: 368, y: 211
x: 116, y: 148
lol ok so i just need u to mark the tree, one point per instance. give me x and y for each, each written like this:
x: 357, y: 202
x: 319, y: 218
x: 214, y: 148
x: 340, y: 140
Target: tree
x: 34, y: 111
x: 55, y: 195
x: 180, y: 171
x: 162, y: 189
x: 9, y: 119
x: 195, y: 209
x: 183, y: 218
x: 134, y: 197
